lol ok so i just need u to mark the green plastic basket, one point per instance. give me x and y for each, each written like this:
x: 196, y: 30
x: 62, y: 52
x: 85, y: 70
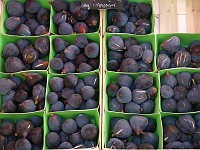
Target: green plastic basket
x: 19, y: 74
x: 16, y: 117
x: 177, y: 115
x: 43, y: 3
x: 152, y: 18
x: 107, y: 130
x: 142, y: 38
x: 93, y: 114
x: 70, y: 39
x: 80, y: 76
x: 112, y: 78
x: 185, y: 40
x: 175, y: 71
x: 5, y: 39
x: 54, y: 27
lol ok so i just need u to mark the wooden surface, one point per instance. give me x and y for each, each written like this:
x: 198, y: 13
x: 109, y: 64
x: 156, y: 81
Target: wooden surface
x: 172, y: 16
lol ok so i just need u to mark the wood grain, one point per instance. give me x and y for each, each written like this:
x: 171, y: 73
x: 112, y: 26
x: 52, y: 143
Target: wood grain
x: 193, y: 16
x: 168, y: 16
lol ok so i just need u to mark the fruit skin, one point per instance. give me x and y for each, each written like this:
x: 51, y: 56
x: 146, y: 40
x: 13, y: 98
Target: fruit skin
x: 58, y: 106
x: 138, y: 123
x: 113, y: 65
x: 9, y: 107
x: 130, y: 145
x: 87, y: 92
x: 143, y: 82
x: 134, y: 51
x: 122, y: 129
x: 148, y: 107
x: 166, y: 91
x: 115, y: 105
x: 7, y: 128
x: 124, y: 80
x: 129, y: 65
x: 82, y: 120
x: 163, y: 61
x: 197, y: 119
x: 23, y: 30
x: 6, y: 85
x: 169, y: 79
x: 145, y: 23
x: 12, y: 23
x: 59, y: 44
x: 56, y: 64
x: 148, y: 56
x: 32, y: 24
x: 116, y: 43
x: 36, y: 120
x: 42, y: 45
x: 150, y: 138
x: 129, y: 28
x: 65, y: 29
x: 139, y: 96
x: 119, y: 19
x: 92, y: 50
x: 89, y: 132
x: 56, y: 84
x: 80, y: 13
x: 184, y: 106
x: 8, y: 96
x: 143, y: 10
x: 23, y: 128
x: 15, y: 8
x: 52, y: 97
x: 175, y: 145
x: 169, y: 105
x: 80, y: 27
x: 115, y: 143
x: 41, y: 30
x: 59, y: 5
x: 186, y: 124
x: 91, y: 104
x: 27, y: 106
x: 23, y: 144
x: 146, y: 146
x: 171, y: 133
x: 36, y: 135
x: 71, y: 52
x: 132, y: 107
x: 112, y: 29
x: 171, y: 45
x: 40, y: 65
x: 32, y: 6
x: 124, y: 95
x: 182, y: 59
x: 81, y: 41
x: 30, y: 54
x: 22, y: 43
x: 193, y: 96
x: 54, y: 123
x: 52, y: 140
x: 180, y: 92
x: 43, y: 16
x: 75, y: 100
x: 69, y: 126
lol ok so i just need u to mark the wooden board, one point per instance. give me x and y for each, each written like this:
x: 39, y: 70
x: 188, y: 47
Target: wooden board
x: 177, y: 16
